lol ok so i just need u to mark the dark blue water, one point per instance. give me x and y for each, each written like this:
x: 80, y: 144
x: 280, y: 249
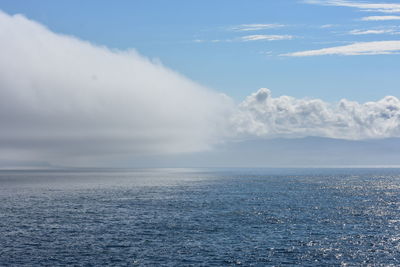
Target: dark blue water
x: 172, y: 217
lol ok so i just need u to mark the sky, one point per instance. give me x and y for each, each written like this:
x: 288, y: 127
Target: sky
x: 86, y: 81
x: 208, y: 41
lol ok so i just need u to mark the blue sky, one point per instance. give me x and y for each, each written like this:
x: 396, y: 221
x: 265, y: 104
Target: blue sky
x: 86, y: 83
x: 204, y: 40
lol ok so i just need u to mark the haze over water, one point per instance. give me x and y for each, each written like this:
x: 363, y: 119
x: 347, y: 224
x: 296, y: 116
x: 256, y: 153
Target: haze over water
x: 206, y: 217
x: 149, y: 84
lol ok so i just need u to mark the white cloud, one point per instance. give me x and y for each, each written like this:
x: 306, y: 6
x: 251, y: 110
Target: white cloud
x: 364, y: 6
x: 264, y: 116
x: 365, y: 32
x: 256, y: 27
x: 264, y: 37
x: 326, y: 26
x: 67, y: 101
x: 210, y: 41
x: 361, y: 48
x: 62, y: 98
x: 380, y: 18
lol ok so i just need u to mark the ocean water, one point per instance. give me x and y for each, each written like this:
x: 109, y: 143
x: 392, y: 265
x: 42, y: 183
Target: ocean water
x: 200, y: 217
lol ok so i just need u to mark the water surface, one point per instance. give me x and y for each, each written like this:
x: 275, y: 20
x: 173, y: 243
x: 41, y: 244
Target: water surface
x: 200, y: 217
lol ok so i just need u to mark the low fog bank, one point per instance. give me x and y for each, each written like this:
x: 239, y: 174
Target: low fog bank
x: 65, y: 100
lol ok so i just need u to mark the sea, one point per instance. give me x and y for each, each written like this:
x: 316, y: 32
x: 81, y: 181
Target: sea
x: 200, y: 217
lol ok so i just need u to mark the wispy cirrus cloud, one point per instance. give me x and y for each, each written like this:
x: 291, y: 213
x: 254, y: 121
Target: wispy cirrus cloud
x: 380, y: 31
x: 326, y: 26
x: 209, y: 41
x: 256, y: 27
x: 249, y: 38
x: 364, y: 6
x: 361, y: 48
x: 264, y: 37
x: 380, y: 18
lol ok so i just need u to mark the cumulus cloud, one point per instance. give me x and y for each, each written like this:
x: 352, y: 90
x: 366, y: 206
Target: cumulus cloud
x: 61, y: 97
x: 361, y: 48
x: 264, y: 37
x: 264, y: 116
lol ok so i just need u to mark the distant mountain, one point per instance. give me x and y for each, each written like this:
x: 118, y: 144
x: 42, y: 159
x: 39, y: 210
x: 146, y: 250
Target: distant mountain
x: 302, y: 152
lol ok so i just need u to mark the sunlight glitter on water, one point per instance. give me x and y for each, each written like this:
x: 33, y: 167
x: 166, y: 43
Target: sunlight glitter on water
x: 201, y: 217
